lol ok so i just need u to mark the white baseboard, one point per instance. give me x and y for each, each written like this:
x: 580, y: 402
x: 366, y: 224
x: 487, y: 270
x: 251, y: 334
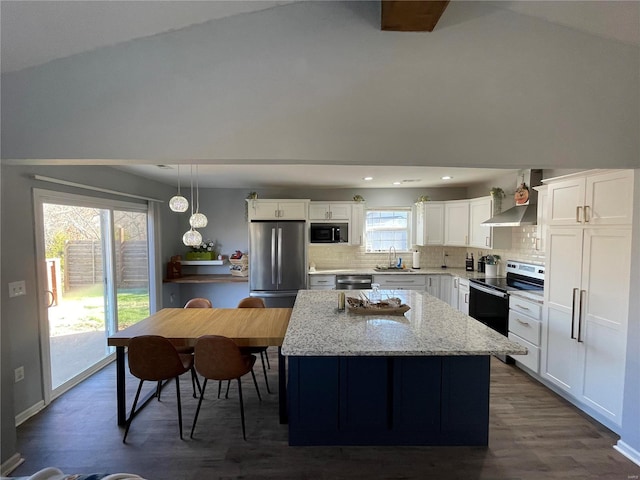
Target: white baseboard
x: 628, y: 451
x: 11, y: 464
x: 29, y: 412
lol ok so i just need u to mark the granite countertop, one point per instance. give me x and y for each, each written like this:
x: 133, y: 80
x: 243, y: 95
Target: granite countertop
x: 431, y: 327
x: 456, y: 272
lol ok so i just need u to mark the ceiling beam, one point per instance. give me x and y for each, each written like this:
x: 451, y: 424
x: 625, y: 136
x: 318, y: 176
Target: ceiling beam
x: 411, y: 16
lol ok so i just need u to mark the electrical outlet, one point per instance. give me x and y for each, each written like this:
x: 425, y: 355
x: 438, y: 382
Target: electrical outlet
x: 17, y: 288
x: 19, y: 374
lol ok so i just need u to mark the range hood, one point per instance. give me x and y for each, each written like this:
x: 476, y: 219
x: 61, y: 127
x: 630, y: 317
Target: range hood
x: 526, y: 213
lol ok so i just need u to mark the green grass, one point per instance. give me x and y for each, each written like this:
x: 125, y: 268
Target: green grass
x: 85, y: 309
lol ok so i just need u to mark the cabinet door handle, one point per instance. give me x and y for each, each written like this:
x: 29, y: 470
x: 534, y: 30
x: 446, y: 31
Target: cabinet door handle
x: 466, y: 298
x: 429, y: 281
x: 275, y: 213
x: 487, y: 241
x: 466, y: 239
x: 323, y: 281
x: 586, y: 213
x: 523, y: 323
x: 455, y: 283
x: 537, y: 244
x: 521, y: 306
x: 578, y: 211
x: 573, y: 313
x: 580, y: 339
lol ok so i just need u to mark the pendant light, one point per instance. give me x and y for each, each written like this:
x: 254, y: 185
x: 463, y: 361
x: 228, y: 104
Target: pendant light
x: 192, y: 237
x: 197, y: 220
x: 178, y: 203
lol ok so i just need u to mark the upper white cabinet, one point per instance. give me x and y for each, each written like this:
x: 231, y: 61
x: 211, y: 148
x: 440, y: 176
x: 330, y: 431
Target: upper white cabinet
x: 595, y: 198
x: 542, y: 222
x: 356, y: 232
x: 329, y: 211
x: 278, y: 209
x: 482, y: 236
x: 456, y: 223
x: 429, y: 223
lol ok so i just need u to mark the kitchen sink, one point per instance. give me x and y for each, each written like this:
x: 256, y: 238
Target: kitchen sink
x: 392, y: 269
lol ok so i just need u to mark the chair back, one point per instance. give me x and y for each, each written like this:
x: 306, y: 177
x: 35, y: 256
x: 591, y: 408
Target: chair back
x: 198, y: 302
x: 251, y: 302
x: 152, y: 357
x: 219, y: 358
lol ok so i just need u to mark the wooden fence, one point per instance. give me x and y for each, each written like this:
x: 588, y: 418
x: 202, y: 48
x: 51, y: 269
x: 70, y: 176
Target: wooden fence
x: 83, y: 264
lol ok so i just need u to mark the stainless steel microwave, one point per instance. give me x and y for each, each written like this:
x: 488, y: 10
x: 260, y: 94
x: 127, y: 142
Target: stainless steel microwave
x: 329, y: 233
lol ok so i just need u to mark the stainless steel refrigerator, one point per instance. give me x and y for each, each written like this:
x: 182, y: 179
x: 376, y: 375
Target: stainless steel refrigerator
x: 277, y: 261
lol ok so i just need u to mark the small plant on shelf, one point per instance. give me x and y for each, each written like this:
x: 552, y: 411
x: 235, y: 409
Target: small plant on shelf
x: 207, y: 250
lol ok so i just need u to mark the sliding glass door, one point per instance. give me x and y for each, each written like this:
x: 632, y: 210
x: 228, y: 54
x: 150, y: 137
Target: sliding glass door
x: 95, y: 281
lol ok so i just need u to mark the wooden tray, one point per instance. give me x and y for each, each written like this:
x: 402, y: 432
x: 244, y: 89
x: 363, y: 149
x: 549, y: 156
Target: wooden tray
x: 363, y: 307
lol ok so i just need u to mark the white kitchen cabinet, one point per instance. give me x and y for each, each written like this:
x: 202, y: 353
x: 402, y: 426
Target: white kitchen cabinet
x: 322, y: 282
x: 585, y: 319
x: 401, y: 281
x: 429, y: 223
x: 432, y: 285
x: 593, y: 198
x: 356, y: 230
x: 456, y: 223
x: 525, y: 325
x: 463, y: 295
x: 449, y: 290
x: 541, y: 218
x: 482, y: 236
x: 278, y: 209
x: 330, y: 211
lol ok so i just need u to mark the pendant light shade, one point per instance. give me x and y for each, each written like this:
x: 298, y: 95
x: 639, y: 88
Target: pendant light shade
x: 192, y: 238
x: 178, y: 203
x: 198, y: 220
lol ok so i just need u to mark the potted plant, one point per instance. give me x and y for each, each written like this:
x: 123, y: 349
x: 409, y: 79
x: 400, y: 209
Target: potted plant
x: 422, y: 199
x: 497, y: 194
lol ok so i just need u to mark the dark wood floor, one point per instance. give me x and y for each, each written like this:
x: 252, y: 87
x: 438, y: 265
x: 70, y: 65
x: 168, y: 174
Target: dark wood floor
x: 534, y: 434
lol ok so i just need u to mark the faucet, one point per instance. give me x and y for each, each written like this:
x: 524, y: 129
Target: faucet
x: 395, y: 256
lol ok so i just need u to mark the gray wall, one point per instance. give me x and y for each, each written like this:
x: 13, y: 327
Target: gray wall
x: 320, y: 82
x: 19, y: 315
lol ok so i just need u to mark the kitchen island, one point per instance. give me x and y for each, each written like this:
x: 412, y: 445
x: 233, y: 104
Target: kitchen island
x: 421, y: 378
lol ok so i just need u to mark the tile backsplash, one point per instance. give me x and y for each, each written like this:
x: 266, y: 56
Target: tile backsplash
x: 523, y: 248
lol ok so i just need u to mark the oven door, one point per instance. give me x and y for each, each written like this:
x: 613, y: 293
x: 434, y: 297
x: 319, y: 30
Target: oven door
x: 490, y: 307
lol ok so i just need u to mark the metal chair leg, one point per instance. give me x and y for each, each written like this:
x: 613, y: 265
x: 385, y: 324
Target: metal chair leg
x: 195, y: 419
x: 194, y: 382
x: 179, y: 406
x: 264, y: 370
x: 158, y: 389
x: 255, y: 382
x: 267, y: 357
x: 228, y: 384
x: 244, y: 434
x: 133, y: 411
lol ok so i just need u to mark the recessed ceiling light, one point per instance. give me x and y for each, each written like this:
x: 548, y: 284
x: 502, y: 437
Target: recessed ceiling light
x: 397, y: 183
x: 446, y: 177
x: 368, y: 178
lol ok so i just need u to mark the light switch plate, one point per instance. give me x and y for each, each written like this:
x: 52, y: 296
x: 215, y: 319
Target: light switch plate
x: 17, y: 288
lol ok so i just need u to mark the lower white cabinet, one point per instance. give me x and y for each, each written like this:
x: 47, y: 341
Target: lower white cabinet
x: 463, y: 295
x: 401, y: 281
x: 525, y: 325
x: 322, y: 282
x: 586, y: 311
x: 449, y: 290
x: 432, y: 285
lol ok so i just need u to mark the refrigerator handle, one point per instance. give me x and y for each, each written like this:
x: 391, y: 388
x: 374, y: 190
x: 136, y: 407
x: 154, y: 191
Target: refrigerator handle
x: 273, y: 255
x: 279, y: 256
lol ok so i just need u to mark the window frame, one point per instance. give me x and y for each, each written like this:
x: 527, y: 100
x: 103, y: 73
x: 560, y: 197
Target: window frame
x: 408, y: 228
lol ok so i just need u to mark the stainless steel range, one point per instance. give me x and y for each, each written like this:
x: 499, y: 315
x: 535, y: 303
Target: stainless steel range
x: 489, y: 297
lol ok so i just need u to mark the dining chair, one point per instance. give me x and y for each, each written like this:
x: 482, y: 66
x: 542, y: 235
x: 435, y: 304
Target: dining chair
x: 219, y: 358
x: 198, y: 302
x: 154, y: 358
x: 255, y: 302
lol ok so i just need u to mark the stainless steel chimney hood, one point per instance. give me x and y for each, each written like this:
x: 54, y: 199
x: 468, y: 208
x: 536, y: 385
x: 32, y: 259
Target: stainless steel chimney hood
x: 525, y: 214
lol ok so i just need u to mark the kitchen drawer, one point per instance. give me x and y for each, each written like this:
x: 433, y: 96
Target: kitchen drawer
x: 525, y: 326
x: 532, y: 359
x: 528, y: 307
x: 322, y: 281
x: 401, y: 280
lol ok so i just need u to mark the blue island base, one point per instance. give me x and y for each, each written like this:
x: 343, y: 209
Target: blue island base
x: 389, y: 400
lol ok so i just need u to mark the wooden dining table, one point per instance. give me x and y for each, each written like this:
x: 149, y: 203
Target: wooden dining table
x: 248, y: 327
